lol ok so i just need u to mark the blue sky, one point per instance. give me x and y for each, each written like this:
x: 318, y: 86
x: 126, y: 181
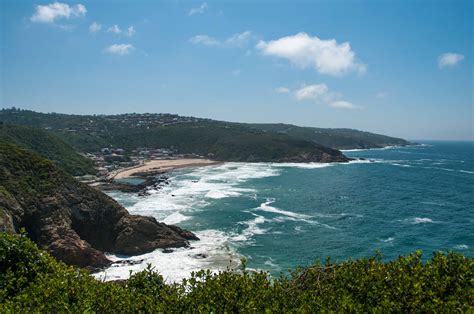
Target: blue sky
x: 401, y: 68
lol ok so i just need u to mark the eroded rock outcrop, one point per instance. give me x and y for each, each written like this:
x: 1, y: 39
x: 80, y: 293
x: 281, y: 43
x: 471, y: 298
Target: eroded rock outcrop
x: 73, y: 221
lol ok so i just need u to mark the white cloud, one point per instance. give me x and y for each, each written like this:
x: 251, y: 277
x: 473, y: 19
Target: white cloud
x: 205, y: 40
x: 342, y: 104
x: 319, y: 94
x: 53, y: 11
x: 381, y: 95
x: 239, y: 39
x: 282, y: 90
x: 199, y: 10
x: 114, y: 29
x: 236, y: 40
x: 95, y: 27
x: 449, y: 59
x: 130, y: 31
x: 120, y: 49
x: 326, y: 56
x: 315, y: 91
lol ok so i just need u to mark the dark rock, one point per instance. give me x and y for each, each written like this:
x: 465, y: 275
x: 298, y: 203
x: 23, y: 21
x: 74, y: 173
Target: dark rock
x: 167, y: 251
x: 128, y: 262
x: 200, y: 256
x: 152, y: 180
x: 184, y: 233
x: 74, y: 222
x: 139, y: 235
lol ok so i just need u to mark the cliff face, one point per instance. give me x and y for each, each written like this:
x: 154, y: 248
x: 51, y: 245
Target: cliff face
x: 73, y: 221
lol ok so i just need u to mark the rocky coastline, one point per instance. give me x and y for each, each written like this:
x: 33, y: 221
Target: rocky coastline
x: 73, y: 221
x: 78, y: 223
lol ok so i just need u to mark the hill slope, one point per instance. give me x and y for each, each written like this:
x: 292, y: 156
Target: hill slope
x: 334, y: 138
x: 69, y: 219
x: 214, y: 139
x: 222, y: 142
x: 92, y: 131
x: 48, y: 146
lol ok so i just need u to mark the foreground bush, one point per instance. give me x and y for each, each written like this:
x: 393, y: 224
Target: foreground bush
x: 31, y: 280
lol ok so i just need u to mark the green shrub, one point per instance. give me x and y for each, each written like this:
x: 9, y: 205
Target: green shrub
x: 31, y: 280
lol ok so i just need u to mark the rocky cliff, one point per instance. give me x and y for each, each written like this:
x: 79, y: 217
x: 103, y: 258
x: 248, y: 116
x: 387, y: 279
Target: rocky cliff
x: 73, y: 221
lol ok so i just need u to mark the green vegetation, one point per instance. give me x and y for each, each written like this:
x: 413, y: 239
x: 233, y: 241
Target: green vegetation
x: 31, y: 280
x: 49, y: 146
x: 335, y: 138
x: 87, y: 131
x: 25, y: 178
x: 217, y: 140
x: 28, y: 175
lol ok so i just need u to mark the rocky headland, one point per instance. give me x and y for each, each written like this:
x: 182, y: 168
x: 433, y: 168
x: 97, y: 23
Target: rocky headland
x: 74, y: 222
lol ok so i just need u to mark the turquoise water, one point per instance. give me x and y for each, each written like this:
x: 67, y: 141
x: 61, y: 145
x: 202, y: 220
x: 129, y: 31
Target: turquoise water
x: 279, y: 216
x: 131, y: 181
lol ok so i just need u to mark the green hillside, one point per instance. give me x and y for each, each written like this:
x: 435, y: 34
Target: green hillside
x: 335, y: 138
x: 213, y: 139
x: 216, y: 140
x: 93, y: 131
x: 49, y: 146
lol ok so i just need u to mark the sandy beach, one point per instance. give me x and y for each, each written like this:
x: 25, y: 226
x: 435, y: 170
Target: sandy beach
x: 162, y: 165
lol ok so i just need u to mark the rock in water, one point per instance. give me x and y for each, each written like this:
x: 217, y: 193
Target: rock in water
x: 71, y: 220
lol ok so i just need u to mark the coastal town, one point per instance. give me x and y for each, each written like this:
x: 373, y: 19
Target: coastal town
x: 117, y: 163
x: 100, y: 123
x: 138, y: 170
x: 109, y: 160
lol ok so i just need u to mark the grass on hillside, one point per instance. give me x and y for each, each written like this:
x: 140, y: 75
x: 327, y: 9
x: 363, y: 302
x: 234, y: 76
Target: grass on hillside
x: 48, y: 146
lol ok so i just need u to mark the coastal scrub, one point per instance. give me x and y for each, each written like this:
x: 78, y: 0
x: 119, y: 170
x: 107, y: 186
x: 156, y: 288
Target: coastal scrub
x: 32, y: 280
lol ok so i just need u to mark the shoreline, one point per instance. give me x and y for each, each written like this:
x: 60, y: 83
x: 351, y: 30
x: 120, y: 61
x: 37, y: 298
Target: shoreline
x: 381, y: 148
x: 150, y: 167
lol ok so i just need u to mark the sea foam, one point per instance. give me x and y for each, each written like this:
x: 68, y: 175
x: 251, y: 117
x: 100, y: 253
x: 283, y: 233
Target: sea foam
x: 311, y: 165
x: 271, y: 209
x: 211, y: 252
x: 418, y: 220
x: 251, y: 230
x: 191, y: 191
x: 289, y: 215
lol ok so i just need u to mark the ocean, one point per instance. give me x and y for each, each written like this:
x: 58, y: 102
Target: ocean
x: 279, y: 216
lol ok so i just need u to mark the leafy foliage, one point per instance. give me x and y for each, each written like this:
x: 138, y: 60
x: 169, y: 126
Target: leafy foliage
x: 49, y: 146
x: 32, y: 280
